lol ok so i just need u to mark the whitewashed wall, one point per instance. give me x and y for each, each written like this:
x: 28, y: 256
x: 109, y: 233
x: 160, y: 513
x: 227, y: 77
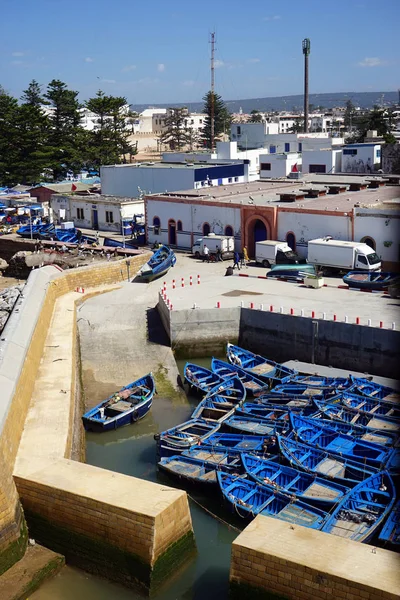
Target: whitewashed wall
x: 366, y: 159
x: 127, y: 181
x: 281, y: 164
x: 330, y: 158
x: 383, y: 226
x: 193, y: 216
x: 308, y: 226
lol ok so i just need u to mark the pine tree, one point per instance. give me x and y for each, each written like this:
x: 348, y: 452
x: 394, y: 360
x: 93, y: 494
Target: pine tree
x: 177, y: 133
x: 256, y: 117
x: 8, y: 138
x: 222, y: 118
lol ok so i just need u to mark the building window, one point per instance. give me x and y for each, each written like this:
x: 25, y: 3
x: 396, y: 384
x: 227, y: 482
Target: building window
x: 156, y: 225
x: 300, y: 147
x: 378, y: 153
x: 109, y: 216
x: 238, y: 130
x: 291, y: 240
x: 236, y: 179
x: 265, y: 166
x: 228, y: 230
x: 206, y: 228
x: 317, y: 169
x: 272, y: 149
x: 350, y: 151
x: 229, y: 179
x: 200, y: 121
x: 80, y: 214
x: 287, y: 147
x: 179, y: 225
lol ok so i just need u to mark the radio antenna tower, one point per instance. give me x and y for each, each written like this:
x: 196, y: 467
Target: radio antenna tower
x: 306, y: 52
x: 212, y: 108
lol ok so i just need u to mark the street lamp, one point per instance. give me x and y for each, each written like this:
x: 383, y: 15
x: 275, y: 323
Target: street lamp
x: 122, y: 225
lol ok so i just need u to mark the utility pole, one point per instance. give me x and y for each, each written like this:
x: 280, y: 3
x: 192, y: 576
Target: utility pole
x: 212, y: 125
x: 306, y: 52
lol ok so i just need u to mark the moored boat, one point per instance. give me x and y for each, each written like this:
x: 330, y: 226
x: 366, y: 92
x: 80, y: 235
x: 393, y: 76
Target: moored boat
x: 352, y: 416
x: 184, y: 436
x: 239, y: 443
x: 249, y: 499
x: 126, y: 406
x: 363, y: 510
x: 330, y: 416
x: 318, y: 381
x: 161, y: 261
x: 250, y: 425
x: 367, y: 387
x: 201, y: 378
x: 194, y: 470
x: 267, y: 370
x: 370, y: 281
x: 291, y: 272
x: 306, y: 487
x: 313, y: 460
x: 371, y: 406
x: 281, y: 401
x: 390, y: 533
x: 226, y: 370
x: 301, y: 389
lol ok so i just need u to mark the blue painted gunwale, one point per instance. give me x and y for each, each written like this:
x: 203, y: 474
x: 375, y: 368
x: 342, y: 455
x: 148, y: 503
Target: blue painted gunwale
x: 252, y: 362
x: 362, y: 432
x: 200, y: 377
x: 161, y: 261
x: 248, y: 499
x: 221, y: 401
x: 371, y: 389
x: 239, y: 442
x: 311, y: 381
x: 194, y: 470
x: 294, y: 482
x: 369, y: 281
x: 250, y: 425
x: 226, y: 370
x: 367, y: 505
x: 380, y: 425
x: 370, y: 406
x: 184, y: 436
x: 390, y: 533
x: 140, y: 400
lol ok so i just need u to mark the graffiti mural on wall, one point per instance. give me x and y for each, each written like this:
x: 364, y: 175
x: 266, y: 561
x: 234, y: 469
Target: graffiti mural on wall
x: 357, y: 165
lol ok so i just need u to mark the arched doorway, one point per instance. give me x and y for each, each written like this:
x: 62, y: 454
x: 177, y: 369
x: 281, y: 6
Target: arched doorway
x: 171, y: 232
x: 206, y: 229
x: 229, y: 230
x: 369, y: 241
x: 291, y: 240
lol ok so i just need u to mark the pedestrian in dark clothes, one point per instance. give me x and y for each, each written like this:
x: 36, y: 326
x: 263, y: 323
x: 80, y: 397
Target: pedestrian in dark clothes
x: 219, y: 254
x: 236, y: 260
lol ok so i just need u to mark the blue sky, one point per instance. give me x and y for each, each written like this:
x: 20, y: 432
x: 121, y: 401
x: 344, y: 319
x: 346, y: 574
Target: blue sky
x: 158, y: 51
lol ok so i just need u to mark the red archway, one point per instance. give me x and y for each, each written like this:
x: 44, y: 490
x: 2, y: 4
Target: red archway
x: 249, y: 232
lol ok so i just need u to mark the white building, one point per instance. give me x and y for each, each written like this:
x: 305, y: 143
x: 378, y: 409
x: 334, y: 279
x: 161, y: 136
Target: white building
x: 89, y: 119
x: 149, y: 118
x: 134, y: 180
x: 322, y: 161
x: 326, y: 123
x: 274, y: 166
x: 98, y: 212
x: 361, y: 158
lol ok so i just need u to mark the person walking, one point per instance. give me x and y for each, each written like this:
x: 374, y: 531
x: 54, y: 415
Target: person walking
x: 245, y: 257
x: 219, y: 254
x: 236, y: 260
x: 206, y: 254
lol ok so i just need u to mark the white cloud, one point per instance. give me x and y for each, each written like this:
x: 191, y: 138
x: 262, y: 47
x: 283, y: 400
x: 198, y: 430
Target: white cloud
x: 371, y: 62
x: 160, y: 67
x: 128, y: 68
x: 188, y: 82
x: 254, y: 60
x: 219, y: 63
x: 18, y: 54
x: 272, y: 18
x: 89, y: 59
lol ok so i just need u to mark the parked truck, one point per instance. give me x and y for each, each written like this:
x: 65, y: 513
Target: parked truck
x: 270, y: 252
x: 342, y: 256
x: 224, y: 242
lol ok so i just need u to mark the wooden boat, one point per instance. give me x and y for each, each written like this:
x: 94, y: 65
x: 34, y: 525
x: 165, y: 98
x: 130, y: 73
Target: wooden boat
x: 221, y: 401
x: 226, y: 370
x: 211, y: 410
x: 126, y: 406
x: 371, y: 406
x: 184, y: 436
x: 239, y: 443
x: 363, y: 510
x: 390, y: 533
x: 357, y: 430
x: 369, y: 281
x: 378, y: 425
x: 282, y: 401
x: 316, y: 461
x: 366, y: 387
x: 275, y: 413
x: 302, y: 389
x: 320, y: 382
x: 222, y: 456
x: 249, y: 499
x: 306, y: 487
x: 291, y: 272
x: 194, y: 470
x: 335, y: 442
x: 267, y: 370
x: 201, y: 378
x: 161, y: 261
x: 250, y: 425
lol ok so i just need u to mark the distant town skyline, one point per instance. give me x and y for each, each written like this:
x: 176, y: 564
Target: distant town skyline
x: 160, y: 53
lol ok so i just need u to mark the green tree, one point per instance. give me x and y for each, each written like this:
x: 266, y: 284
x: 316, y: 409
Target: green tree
x: 65, y: 136
x: 256, y: 117
x: 297, y: 127
x: 108, y: 142
x: 176, y: 133
x: 8, y: 138
x: 349, y: 115
x: 222, y: 118
x: 378, y: 119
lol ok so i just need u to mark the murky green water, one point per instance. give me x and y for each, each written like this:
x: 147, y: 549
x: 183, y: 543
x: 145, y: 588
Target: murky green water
x: 131, y: 450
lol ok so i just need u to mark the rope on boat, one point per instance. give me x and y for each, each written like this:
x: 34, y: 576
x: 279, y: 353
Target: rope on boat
x: 214, y: 515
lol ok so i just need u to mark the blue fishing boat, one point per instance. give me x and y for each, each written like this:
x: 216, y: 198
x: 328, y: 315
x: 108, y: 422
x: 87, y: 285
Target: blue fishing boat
x: 194, y: 470
x: 370, y: 281
x: 316, y: 461
x: 209, y: 410
x: 113, y: 243
x: 161, y: 261
x: 318, y: 381
x: 335, y: 442
x: 222, y: 456
x: 306, y: 487
x: 239, y: 443
x: 250, y: 425
x: 126, y: 406
x: 267, y: 370
x: 359, y: 515
x: 366, y: 387
x: 27, y: 231
x: 371, y: 406
x: 378, y: 425
x: 390, y: 533
x: 200, y: 378
x: 249, y: 499
x: 302, y: 389
x: 356, y: 430
x: 184, y: 436
x: 291, y: 272
x: 221, y: 401
x: 226, y: 370
x: 287, y: 401
x: 275, y: 413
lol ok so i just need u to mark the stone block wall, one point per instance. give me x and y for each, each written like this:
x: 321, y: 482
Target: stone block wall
x: 274, y: 559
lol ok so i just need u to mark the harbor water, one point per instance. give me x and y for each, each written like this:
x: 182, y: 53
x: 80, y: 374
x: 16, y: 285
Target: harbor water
x: 132, y: 451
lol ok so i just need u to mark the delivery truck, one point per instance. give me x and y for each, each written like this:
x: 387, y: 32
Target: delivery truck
x: 342, y: 256
x: 225, y: 243
x: 270, y: 252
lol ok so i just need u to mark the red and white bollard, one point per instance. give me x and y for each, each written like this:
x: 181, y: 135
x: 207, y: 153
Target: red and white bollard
x: 292, y: 311
x: 182, y: 282
x: 251, y: 304
x: 218, y: 304
x: 190, y: 280
x: 271, y: 308
x: 173, y: 284
x: 198, y: 279
x: 381, y: 324
x: 80, y: 290
x: 170, y: 307
x: 357, y: 320
x: 313, y: 314
x: 334, y: 317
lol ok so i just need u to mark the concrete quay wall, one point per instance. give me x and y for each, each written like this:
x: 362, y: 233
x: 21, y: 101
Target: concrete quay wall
x: 38, y: 374
x: 273, y: 559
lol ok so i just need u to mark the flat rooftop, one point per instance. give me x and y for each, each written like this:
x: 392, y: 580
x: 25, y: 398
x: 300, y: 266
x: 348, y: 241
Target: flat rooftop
x: 266, y: 193
x: 99, y: 198
x: 174, y: 165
